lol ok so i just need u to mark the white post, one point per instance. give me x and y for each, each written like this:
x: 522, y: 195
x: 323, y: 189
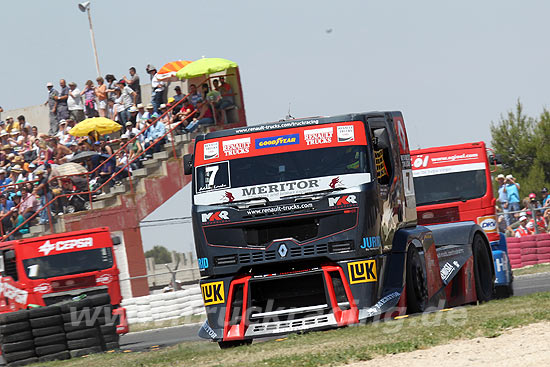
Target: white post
x: 93, y: 42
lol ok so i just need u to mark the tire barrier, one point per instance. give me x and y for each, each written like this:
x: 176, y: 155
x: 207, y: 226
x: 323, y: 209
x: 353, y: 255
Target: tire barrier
x: 529, y: 250
x: 58, y: 332
x: 164, y: 306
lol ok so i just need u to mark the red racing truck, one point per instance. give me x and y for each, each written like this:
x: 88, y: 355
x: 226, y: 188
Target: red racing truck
x: 453, y: 184
x: 48, y: 270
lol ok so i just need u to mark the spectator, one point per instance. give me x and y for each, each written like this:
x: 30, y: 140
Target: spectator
x: 17, y: 175
x: 1, y: 110
x: 204, y: 92
x: 545, y: 197
x: 155, y: 131
x: 42, y: 190
x: 30, y: 175
x: 61, y: 102
x: 522, y: 230
x: 110, y: 78
x: 52, y: 104
x: 179, y: 95
x: 133, y: 115
x: 133, y: 83
x: 128, y: 100
x: 131, y: 129
x: 89, y: 99
x: 29, y: 203
x: 194, y: 96
x: 101, y: 93
x: 141, y: 115
x: 74, y: 103
x: 157, y: 87
x: 205, y: 117
x: 23, y: 123
x: 512, y: 192
x: 4, y: 181
x: 135, y: 149
x: 226, y: 91
x: 106, y: 171
x: 6, y: 213
x: 542, y: 225
x: 11, y: 124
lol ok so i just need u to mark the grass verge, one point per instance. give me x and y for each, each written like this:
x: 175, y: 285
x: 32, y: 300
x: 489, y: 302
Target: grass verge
x: 341, y: 346
x: 533, y: 269
x: 167, y: 323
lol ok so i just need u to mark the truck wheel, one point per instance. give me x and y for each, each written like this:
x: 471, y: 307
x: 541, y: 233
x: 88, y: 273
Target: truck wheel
x: 504, y: 291
x: 482, y: 270
x: 416, y: 286
x: 234, y: 343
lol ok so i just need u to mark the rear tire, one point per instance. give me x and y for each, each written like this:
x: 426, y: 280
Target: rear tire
x: 417, y: 285
x: 482, y: 270
x: 234, y: 343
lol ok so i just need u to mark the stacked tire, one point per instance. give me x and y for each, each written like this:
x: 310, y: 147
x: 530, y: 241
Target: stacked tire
x: 543, y: 248
x: 79, y: 324
x: 48, y: 334
x: 514, y: 252
x: 106, y: 322
x: 16, y: 339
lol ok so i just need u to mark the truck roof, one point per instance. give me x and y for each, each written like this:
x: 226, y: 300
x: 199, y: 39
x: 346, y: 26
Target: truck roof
x: 285, y: 124
x: 52, y: 237
x: 447, y: 148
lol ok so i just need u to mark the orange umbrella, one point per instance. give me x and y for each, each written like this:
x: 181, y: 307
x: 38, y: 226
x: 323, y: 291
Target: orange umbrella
x: 168, y: 72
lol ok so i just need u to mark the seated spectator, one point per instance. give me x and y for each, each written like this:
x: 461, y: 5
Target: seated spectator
x: 6, y: 213
x: 29, y: 203
x: 133, y: 115
x: 106, y: 171
x: 135, y: 149
x: 542, y: 226
x: 4, y: 180
x: 155, y: 131
x: 205, y: 117
x: 17, y: 174
x: 522, y: 230
x: 194, y: 96
x: 43, y: 191
x: 179, y: 95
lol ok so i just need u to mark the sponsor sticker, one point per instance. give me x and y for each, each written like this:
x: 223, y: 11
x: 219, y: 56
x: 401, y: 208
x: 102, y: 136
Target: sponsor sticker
x: 370, y: 243
x: 214, y: 176
x: 104, y: 279
x: 277, y: 141
x: 43, y: 288
x: 318, y: 136
x: 11, y: 292
x: 344, y: 200
x: 236, y: 147
x: 362, y: 271
x: 61, y: 246
x: 345, y: 133
x: 213, y: 293
x: 211, y: 150
x: 203, y: 263
x: 215, y: 217
x: 448, y: 269
x: 488, y: 223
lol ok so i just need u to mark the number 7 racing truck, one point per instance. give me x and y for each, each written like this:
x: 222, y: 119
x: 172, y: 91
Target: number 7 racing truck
x: 311, y: 224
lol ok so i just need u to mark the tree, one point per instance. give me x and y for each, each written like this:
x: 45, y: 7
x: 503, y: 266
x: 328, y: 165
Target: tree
x: 160, y: 254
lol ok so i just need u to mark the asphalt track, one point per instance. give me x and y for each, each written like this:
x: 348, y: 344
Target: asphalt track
x: 153, y: 339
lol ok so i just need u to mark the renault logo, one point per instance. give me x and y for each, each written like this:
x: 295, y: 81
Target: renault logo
x: 282, y: 250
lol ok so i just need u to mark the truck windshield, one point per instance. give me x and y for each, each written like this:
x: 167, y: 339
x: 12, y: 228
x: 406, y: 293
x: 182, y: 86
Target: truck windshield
x: 449, y: 187
x: 68, y: 263
x: 282, y: 167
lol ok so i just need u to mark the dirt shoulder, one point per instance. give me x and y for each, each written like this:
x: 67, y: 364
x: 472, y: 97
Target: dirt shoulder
x: 525, y: 346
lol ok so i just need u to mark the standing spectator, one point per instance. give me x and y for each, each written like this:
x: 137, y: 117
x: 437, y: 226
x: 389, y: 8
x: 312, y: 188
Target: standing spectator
x: 110, y: 78
x: 89, y: 99
x: 128, y: 96
x: 545, y: 197
x: 101, y: 94
x: 6, y: 212
x: 74, y: 103
x: 29, y: 203
x: 1, y: 110
x: 61, y: 99
x: 51, y: 103
x: 157, y: 87
x: 503, y: 198
x: 42, y: 190
x: 133, y: 83
x: 512, y: 191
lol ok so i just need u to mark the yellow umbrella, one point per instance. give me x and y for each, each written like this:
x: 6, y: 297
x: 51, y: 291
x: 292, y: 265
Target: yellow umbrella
x: 100, y: 124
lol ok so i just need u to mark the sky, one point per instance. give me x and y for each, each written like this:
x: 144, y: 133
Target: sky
x: 452, y: 68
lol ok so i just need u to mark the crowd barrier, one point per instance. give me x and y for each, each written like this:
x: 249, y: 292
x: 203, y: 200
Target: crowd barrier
x: 165, y: 306
x: 529, y: 250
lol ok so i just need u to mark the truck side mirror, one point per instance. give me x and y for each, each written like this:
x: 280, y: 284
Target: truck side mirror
x: 188, y: 164
x: 2, y: 264
x: 116, y: 240
x: 382, y: 139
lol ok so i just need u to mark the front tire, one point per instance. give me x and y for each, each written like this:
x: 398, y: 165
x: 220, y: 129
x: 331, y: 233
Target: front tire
x: 482, y: 270
x: 416, y: 286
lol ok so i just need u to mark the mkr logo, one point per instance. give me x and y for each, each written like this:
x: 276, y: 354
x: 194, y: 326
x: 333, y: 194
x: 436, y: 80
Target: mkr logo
x: 362, y: 271
x: 213, y: 293
x: 215, y: 216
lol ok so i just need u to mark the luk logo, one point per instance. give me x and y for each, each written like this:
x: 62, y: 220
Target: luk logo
x: 277, y: 141
x: 211, y: 150
x: 213, y: 293
x: 219, y: 216
x: 342, y: 200
x: 362, y: 271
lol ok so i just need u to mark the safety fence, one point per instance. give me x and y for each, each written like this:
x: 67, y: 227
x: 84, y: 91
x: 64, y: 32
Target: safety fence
x: 165, y: 306
x: 529, y: 250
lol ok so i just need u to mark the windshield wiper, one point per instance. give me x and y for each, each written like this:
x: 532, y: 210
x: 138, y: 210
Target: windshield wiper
x: 316, y: 193
x: 445, y: 200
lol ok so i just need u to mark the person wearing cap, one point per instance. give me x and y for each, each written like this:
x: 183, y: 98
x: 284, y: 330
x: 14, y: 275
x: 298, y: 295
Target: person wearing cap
x: 31, y: 175
x: 131, y: 129
x: 157, y: 89
x: 179, y: 95
x: 128, y: 96
x: 101, y: 93
x: 61, y: 103
x: 512, y: 192
x: 133, y: 82
x: 156, y: 130
x: 74, y: 103
x: 522, y: 230
x: 545, y: 197
x: 17, y: 174
x: 52, y: 103
x: 11, y: 124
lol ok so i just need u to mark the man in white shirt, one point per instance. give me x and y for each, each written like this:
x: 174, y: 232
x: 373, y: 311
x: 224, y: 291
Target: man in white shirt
x: 74, y: 103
